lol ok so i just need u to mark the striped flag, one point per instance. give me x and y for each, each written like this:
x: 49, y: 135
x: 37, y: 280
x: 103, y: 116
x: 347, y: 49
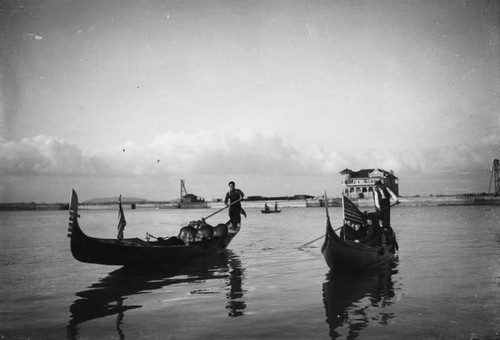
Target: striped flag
x: 121, y: 219
x: 351, y: 211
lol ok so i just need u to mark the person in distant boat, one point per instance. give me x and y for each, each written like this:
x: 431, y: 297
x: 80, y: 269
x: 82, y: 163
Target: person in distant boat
x: 382, y: 196
x: 275, y: 206
x: 266, y: 207
x: 233, y: 199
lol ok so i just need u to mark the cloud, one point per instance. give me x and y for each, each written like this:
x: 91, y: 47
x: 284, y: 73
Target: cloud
x: 218, y: 152
x: 40, y: 155
x: 180, y: 152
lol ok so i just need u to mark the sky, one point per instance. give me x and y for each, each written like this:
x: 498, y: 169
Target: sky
x: 117, y: 97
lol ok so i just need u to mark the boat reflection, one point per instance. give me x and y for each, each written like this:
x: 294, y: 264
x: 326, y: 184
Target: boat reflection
x: 354, y: 300
x: 106, y: 297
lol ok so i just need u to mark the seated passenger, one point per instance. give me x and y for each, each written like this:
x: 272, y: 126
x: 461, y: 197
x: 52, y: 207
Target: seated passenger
x: 348, y: 231
x: 371, y: 230
x: 360, y: 232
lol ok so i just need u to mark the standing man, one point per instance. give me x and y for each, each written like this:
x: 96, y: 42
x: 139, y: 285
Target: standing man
x: 233, y: 199
x: 383, y: 202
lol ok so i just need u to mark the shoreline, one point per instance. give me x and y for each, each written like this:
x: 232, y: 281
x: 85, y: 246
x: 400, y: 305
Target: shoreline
x: 414, y: 201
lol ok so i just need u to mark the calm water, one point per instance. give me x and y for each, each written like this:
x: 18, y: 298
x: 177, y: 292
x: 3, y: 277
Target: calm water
x: 444, y: 285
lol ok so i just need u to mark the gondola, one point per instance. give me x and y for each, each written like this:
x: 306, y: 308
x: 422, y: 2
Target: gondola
x: 270, y: 211
x: 350, y: 255
x: 194, y: 242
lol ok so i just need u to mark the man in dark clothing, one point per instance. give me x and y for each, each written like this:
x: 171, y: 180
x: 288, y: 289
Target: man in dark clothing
x: 233, y: 199
x: 383, y: 202
x: 371, y: 231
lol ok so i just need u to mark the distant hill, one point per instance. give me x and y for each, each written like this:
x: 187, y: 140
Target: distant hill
x: 107, y: 200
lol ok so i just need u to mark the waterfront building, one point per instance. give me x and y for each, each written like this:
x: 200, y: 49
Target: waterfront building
x: 190, y: 200
x: 360, y: 184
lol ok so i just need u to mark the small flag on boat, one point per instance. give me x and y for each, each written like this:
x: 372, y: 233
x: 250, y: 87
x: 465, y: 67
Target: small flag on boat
x: 121, y: 219
x: 351, y: 211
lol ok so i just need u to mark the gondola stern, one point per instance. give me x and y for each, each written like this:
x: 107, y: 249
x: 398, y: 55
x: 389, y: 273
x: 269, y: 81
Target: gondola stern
x: 232, y: 232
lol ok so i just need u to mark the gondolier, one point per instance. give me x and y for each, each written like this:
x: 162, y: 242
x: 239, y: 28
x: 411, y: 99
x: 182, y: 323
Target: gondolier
x: 382, y: 196
x: 233, y: 199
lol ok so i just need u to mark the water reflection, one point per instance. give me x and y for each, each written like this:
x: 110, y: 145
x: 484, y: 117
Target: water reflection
x: 106, y: 297
x: 235, y: 303
x: 353, y: 300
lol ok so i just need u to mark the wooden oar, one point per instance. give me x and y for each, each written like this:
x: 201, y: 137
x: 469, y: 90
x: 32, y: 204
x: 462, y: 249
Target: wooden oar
x: 305, y: 244
x: 396, y: 203
x: 218, y: 211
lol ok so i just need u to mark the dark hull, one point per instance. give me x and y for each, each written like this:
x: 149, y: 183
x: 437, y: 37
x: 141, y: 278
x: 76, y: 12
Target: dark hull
x: 349, y: 255
x: 136, y: 252
x: 271, y: 211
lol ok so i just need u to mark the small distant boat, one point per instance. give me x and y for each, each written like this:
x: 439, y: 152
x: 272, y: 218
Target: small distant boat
x: 270, y: 211
x: 350, y: 255
x: 194, y: 242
